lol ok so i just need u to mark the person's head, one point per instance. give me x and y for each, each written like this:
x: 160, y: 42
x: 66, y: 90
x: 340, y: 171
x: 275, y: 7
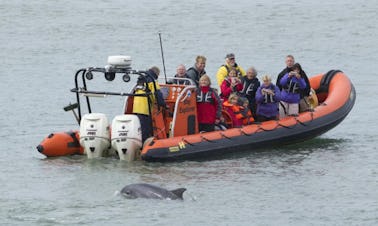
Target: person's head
x: 267, y: 80
x: 230, y: 59
x: 297, y: 68
x: 233, y: 72
x: 155, y: 70
x: 204, y: 80
x: 200, y: 62
x: 245, y: 102
x: 251, y: 73
x: 181, y: 70
x: 233, y: 98
x: 289, y: 61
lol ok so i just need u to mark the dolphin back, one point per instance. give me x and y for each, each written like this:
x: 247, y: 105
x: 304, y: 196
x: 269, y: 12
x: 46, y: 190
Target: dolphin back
x: 150, y: 191
x: 179, y: 192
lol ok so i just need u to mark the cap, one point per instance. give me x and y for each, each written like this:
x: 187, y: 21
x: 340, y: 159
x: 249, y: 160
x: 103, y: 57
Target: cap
x: 230, y: 55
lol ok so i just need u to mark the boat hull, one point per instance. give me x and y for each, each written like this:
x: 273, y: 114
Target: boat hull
x: 339, y: 99
x: 336, y: 95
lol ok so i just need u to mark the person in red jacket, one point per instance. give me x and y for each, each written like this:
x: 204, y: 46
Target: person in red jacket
x: 232, y: 84
x: 209, y: 106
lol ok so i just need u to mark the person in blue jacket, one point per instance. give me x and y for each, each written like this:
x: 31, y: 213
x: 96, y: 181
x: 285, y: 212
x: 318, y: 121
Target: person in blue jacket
x: 292, y: 85
x: 267, y: 98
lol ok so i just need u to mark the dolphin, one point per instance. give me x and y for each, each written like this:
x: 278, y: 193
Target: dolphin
x: 150, y: 191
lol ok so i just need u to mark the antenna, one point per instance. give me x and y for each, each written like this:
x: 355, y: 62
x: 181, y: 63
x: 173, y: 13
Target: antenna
x: 162, y: 57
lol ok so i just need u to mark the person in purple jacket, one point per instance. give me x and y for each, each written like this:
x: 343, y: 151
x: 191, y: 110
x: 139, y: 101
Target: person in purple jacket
x: 267, y: 98
x: 292, y: 84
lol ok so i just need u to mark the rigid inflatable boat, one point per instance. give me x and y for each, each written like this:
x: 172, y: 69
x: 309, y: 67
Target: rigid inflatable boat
x: 175, y: 129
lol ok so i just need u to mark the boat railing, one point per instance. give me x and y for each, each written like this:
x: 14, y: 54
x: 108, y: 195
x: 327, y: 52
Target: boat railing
x: 109, y: 73
x: 177, y: 81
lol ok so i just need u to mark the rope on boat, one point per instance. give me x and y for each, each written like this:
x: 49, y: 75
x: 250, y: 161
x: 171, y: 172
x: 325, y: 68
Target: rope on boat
x: 305, y: 124
x: 208, y: 140
x: 248, y: 134
x: 244, y: 133
x: 263, y: 129
x: 259, y: 127
x: 184, y: 140
x: 223, y: 135
x: 287, y: 127
x: 158, y: 131
x: 299, y: 121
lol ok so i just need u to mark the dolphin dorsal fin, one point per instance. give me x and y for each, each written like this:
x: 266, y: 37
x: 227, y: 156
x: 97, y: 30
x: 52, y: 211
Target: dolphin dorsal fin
x: 178, y: 192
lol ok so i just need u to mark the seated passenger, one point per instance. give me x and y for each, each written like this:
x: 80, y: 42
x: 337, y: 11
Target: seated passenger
x: 180, y: 73
x: 292, y: 84
x: 267, y: 99
x: 224, y: 70
x: 208, y: 105
x: 231, y: 84
x: 246, y: 112
x: 234, y: 110
x: 250, y: 85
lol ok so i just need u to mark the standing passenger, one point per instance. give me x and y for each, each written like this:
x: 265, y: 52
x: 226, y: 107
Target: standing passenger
x: 304, y: 104
x: 224, y: 70
x: 250, y: 85
x: 197, y: 70
x: 231, y: 84
x: 141, y: 108
x: 304, y: 93
x: 289, y: 61
x: 208, y: 105
x: 292, y: 83
x: 267, y: 98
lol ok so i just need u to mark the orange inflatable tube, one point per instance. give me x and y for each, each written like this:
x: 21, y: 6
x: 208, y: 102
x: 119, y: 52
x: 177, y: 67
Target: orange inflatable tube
x: 60, y: 144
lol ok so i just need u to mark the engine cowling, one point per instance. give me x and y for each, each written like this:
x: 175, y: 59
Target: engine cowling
x: 126, y: 136
x: 94, y: 135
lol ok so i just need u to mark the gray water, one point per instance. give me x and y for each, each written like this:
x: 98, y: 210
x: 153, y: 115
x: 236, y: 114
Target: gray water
x: 329, y: 180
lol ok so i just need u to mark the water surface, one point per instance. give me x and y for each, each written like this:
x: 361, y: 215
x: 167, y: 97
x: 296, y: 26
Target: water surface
x: 330, y: 180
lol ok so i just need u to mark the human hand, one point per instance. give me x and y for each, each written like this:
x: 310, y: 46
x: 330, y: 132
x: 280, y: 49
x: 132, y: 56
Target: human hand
x: 269, y: 91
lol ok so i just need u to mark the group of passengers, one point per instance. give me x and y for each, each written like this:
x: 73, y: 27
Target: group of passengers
x: 241, y: 95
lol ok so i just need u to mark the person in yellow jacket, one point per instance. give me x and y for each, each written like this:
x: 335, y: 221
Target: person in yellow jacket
x: 140, y: 104
x: 225, y: 68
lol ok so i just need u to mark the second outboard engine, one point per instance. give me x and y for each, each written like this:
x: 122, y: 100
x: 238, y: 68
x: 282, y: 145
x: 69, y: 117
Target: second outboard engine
x: 126, y: 136
x: 94, y: 134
